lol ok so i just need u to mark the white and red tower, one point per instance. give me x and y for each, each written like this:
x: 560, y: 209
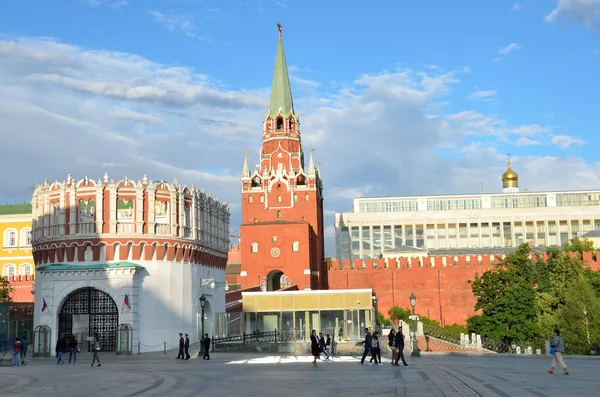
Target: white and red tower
x: 282, y: 201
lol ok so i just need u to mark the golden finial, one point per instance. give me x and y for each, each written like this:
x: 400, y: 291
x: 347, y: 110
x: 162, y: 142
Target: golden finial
x: 247, y: 153
x: 312, y: 150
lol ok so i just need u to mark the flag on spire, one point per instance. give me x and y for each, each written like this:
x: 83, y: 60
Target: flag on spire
x: 44, y: 304
x: 126, y: 301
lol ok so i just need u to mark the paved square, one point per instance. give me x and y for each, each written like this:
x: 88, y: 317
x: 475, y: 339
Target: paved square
x: 229, y: 374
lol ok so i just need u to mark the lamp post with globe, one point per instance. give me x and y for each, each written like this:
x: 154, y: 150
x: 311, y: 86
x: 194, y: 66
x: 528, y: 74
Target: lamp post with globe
x: 202, y: 303
x: 415, y: 319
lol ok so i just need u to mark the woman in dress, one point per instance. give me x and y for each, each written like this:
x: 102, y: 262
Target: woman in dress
x: 392, y: 343
x: 315, y: 347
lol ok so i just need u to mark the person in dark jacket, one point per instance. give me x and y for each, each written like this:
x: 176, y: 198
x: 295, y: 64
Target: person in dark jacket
x: 392, y: 344
x: 180, y: 356
x: 400, y: 347
x: 367, y: 344
x: 328, y: 345
x: 73, y: 349
x: 24, y: 346
x: 315, y: 347
x: 186, y: 346
x: 206, y: 342
x: 61, y: 347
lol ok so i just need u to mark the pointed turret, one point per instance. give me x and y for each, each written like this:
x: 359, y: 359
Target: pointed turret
x: 246, y: 170
x: 311, y: 164
x: 281, y: 92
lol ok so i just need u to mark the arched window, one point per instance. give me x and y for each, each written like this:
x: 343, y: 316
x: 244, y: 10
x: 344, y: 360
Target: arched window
x: 9, y: 270
x: 250, y: 199
x: 254, y: 248
x: 262, y: 199
x: 10, y: 238
x: 306, y: 197
x: 295, y: 197
x: 279, y: 123
x: 279, y: 199
x: 25, y: 237
x: 295, y: 246
x: 25, y: 269
x: 279, y: 214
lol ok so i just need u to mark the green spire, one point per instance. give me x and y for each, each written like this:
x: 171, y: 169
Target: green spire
x: 281, y: 93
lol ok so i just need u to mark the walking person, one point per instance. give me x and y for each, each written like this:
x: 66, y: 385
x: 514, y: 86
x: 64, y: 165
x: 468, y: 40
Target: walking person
x: 314, y: 347
x: 400, y: 348
x: 24, y: 346
x: 73, y: 349
x: 558, y: 345
x: 16, y: 358
x: 367, y: 344
x: 61, y: 347
x: 392, y: 343
x: 206, y: 343
x: 96, y: 349
x: 180, y: 356
x: 323, y: 347
x: 186, y: 346
x: 328, y: 346
x: 375, y: 350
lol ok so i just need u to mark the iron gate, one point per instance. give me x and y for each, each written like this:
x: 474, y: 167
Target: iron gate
x: 103, y: 315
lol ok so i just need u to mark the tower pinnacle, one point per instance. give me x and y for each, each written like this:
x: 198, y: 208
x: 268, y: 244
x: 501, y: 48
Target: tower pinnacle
x: 281, y: 92
x: 311, y: 164
x: 246, y: 170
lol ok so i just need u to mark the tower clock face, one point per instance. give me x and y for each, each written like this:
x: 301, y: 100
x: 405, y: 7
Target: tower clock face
x: 275, y: 252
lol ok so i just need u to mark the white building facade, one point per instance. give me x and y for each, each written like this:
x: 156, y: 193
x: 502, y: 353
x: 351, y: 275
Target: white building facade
x: 129, y: 260
x: 388, y: 226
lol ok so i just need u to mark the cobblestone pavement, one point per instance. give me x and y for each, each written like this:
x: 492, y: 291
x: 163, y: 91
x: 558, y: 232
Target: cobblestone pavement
x: 228, y: 374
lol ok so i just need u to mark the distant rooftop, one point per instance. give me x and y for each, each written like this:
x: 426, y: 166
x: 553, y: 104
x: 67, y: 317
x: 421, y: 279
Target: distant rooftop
x: 15, y: 209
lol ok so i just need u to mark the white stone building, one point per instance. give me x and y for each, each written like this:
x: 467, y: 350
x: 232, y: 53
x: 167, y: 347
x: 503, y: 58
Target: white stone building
x: 128, y: 259
x: 430, y: 225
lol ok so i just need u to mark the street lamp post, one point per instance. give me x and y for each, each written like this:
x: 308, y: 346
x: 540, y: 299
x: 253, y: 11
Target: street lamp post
x: 202, y: 303
x: 415, y: 349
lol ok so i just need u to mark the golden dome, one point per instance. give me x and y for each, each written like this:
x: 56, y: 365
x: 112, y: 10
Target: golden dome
x: 510, y: 175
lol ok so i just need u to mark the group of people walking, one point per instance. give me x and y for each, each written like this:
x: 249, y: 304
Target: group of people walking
x: 320, y: 345
x: 372, y: 345
x: 184, y: 347
x: 20, y: 347
x: 69, y: 344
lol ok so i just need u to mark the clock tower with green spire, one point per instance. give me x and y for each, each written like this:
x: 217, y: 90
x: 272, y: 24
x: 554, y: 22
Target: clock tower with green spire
x: 281, y: 236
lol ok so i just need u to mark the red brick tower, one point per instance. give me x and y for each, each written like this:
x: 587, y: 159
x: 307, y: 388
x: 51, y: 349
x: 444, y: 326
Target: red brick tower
x: 281, y: 235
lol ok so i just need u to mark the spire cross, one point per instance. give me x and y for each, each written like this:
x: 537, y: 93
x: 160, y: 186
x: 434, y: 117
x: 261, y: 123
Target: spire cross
x: 508, y: 154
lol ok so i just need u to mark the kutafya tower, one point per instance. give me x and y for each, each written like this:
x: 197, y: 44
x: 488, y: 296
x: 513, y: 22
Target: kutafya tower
x: 281, y: 235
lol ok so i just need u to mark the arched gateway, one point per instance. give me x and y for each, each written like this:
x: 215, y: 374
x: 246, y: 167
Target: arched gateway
x: 87, y: 311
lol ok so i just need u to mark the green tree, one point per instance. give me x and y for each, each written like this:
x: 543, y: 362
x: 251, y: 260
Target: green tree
x: 594, y: 279
x: 5, y: 290
x: 579, y: 245
x: 506, y: 296
x: 398, y: 313
x: 382, y: 320
x: 579, y: 317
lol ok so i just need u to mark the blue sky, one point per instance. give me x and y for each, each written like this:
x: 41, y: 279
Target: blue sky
x: 415, y: 97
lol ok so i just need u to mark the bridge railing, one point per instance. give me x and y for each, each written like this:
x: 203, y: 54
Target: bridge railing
x: 254, y: 338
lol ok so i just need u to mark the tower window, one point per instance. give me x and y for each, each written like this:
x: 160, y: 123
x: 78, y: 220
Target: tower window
x: 262, y: 199
x: 254, y: 248
x: 306, y: 197
x: 250, y: 199
x: 295, y: 246
x: 279, y: 214
x: 274, y: 239
x: 290, y: 123
x: 279, y: 199
x: 255, y: 220
x: 295, y: 197
x: 279, y: 123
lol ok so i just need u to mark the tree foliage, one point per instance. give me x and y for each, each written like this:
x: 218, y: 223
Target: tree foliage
x: 5, y: 290
x: 521, y: 299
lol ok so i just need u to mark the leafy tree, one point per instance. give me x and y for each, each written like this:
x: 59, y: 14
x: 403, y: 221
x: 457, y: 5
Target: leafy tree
x: 457, y: 328
x: 397, y: 313
x: 594, y: 279
x: 382, y: 320
x: 579, y: 245
x: 579, y: 317
x: 5, y: 290
x: 506, y: 297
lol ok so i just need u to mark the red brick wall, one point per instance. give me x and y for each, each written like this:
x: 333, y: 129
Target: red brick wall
x: 443, y: 292
x: 22, y: 286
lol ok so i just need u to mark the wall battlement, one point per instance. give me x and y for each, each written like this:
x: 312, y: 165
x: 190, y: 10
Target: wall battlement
x: 22, y: 287
x: 441, y: 284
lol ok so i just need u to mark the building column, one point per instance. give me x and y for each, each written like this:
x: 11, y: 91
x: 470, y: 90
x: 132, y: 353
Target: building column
x: 139, y: 210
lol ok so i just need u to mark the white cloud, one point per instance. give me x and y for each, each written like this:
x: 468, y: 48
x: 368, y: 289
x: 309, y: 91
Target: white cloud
x: 517, y: 7
x: 482, y: 95
x: 524, y: 141
x: 86, y: 112
x: 504, y: 51
x: 583, y: 12
x: 564, y: 141
x: 181, y: 23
